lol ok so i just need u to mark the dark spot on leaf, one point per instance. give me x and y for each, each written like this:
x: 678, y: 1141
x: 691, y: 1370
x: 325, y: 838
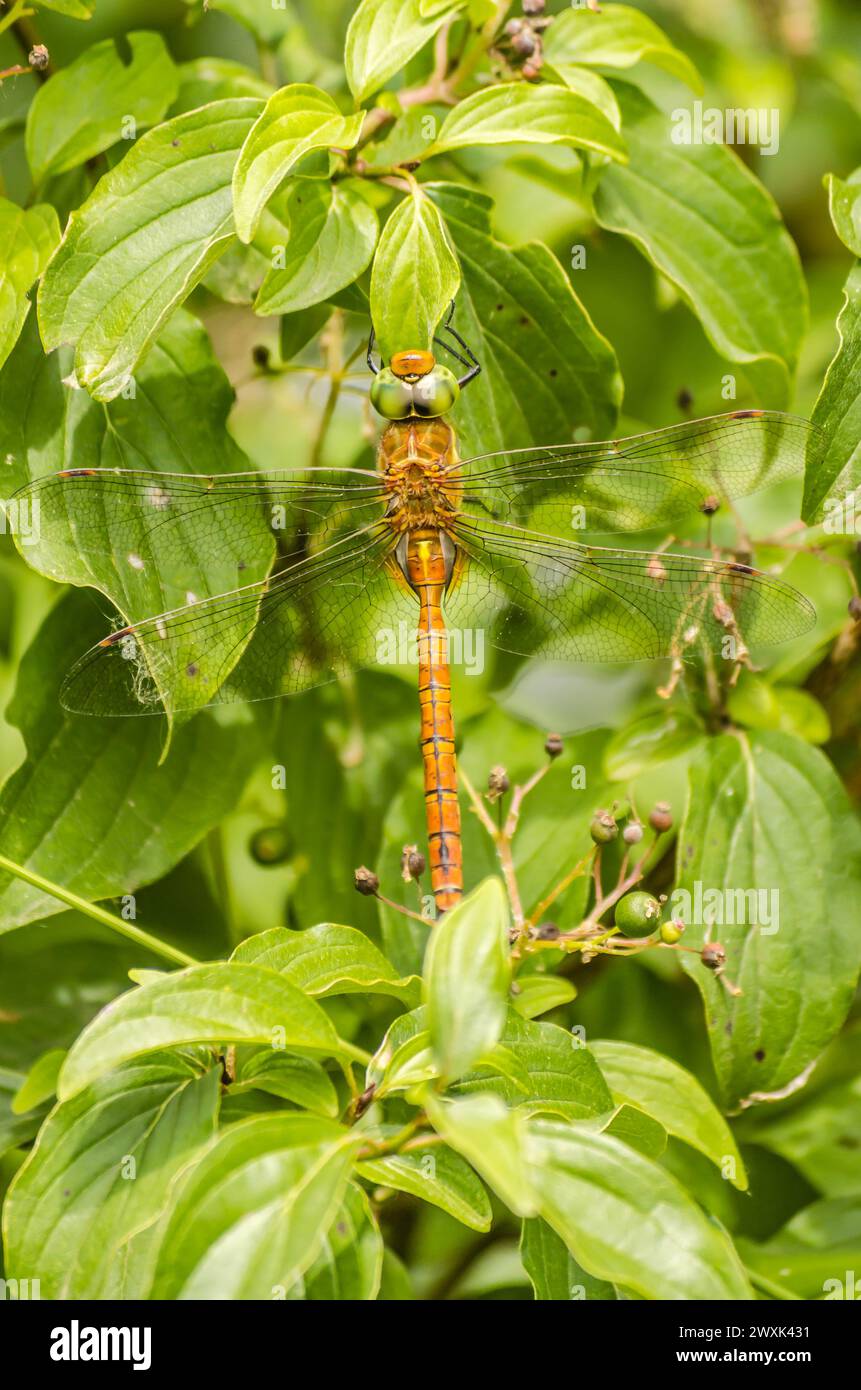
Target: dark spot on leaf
x: 524, y: 321
x: 192, y: 669
x: 848, y: 1141
x: 175, y: 144
x: 553, y: 371
x: 499, y: 308
x: 759, y: 1055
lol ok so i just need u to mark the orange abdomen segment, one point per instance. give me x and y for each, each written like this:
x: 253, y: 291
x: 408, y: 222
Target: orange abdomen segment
x: 427, y: 574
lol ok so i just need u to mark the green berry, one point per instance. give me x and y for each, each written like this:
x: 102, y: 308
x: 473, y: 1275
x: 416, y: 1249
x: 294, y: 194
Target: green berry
x: 637, y: 914
x: 671, y: 932
x: 603, y: 828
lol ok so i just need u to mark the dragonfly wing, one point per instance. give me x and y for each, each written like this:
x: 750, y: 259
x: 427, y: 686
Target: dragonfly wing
x: 569, y: 602
x: 314, y: 621
x: 156, y: 540
x: 639, y: 483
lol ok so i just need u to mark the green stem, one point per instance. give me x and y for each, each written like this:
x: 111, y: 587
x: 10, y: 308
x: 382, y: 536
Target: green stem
x: 18, y: 11
x: 98, y: 914
x: 357, y: 1053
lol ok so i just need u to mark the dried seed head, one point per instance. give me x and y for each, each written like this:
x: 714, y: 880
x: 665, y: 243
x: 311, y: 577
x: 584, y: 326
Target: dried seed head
x: 533, y: 6
x: 260, y: 355
x: 633, y: 833
x: 413, y: 863
x: 553, y: 745
x: 660, y: 817
x: 548, y: 931
x: 710, y: 505
x: 39, y: 57
x: 366, y: 882
x: 497, y: 783
x: 524, y: 43
x: 713, y: 955
x: 603, y: 828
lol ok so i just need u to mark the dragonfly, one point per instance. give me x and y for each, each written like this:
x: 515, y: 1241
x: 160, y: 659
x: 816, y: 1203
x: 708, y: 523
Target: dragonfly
x: 424, y: 544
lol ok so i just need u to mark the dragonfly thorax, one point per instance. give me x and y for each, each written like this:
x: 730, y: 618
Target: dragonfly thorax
x: 419, y: 465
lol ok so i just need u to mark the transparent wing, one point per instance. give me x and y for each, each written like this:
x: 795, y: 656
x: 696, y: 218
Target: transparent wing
x: 149, y: 538
x: 344, y: 607
x: 639, y: 483
x: 564, y: 601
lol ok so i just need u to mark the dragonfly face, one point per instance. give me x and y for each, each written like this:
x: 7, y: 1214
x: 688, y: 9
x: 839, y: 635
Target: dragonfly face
x: 487, y: 544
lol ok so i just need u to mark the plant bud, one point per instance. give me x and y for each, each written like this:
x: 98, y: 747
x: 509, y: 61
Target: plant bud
x: 548, y: 931
x: 553, y: 745
x: 713, y: 955
x: 413, y: 863
x: 671, y: 932
x: 660, y: 817
x: 39, y: 57
x: 366, y: 882
x: 603, y: 828
x: 497, y: 783
x: 633, y: 833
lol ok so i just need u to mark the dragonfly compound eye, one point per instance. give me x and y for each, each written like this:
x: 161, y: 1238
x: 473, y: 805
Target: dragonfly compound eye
x: 436, y: 393
x: 391, y: 397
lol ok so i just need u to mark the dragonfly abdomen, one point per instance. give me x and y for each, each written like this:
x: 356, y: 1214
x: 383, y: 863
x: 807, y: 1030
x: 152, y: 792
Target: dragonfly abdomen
x: 427, y: 558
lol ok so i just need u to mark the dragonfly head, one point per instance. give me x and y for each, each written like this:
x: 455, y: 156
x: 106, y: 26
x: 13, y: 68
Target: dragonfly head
x: 414, y: 383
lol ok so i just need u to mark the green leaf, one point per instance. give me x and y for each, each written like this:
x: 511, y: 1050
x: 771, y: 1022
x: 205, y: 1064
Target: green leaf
x: 820, y: 1135
x: 546, y: 370
x: 384, y: 35
x: 332, y: 234
x: 591, y: 87
x: 671, y: 1095
x: 617, y: 37
x: 208, y: 79
x: 73, y: 9
x: 100, y: 1174
x: 415, y: 276
x: 536, y: 994
x: 749, y: 799
x: 118, y: 254
x: 349, y: 1265
x: 93, y: 807
x: 553, y: 1273
x: 626, y: 1220
x: 652, y: 739
x: 518, y: 112
x: 636, y: 1129
x: 269, y: 23
x: 15, y: 1130
x: 834, y: 456
x: 437, y: 1175
x: 844, y: 204
x: 466, y: 978
x: 221, y: 1003
x: 404, y: 1058
x: 98, y: 100
x: 690, y: 208
x: 301, y: 1080
x: 492, y: 1138
x: 297, y: 119
x: 564, y: 1076
x: 27, y: 239
x: 41, y: 1082
x: 327, y: 960
x: 814, y: 1253
x: 252, y: 1215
